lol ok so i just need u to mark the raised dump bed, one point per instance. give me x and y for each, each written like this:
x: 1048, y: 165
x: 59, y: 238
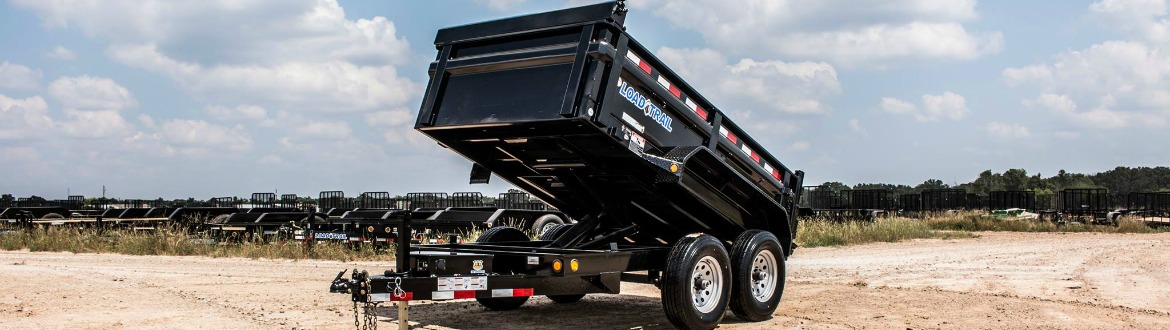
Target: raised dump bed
x: 666, y: 189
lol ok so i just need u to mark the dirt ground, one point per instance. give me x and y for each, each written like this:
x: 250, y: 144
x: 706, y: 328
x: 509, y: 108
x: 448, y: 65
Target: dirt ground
x: 1000, y: 280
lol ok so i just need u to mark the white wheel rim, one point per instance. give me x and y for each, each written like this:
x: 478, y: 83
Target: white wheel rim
x: 764, y: 276
x: 547, y: 226
x: 706, y: 284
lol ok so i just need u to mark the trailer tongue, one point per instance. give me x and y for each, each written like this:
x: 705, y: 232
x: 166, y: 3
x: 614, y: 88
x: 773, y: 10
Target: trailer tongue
x: 664, y: 187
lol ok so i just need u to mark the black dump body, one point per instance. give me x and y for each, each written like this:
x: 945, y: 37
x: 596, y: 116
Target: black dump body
x: 568, y: 107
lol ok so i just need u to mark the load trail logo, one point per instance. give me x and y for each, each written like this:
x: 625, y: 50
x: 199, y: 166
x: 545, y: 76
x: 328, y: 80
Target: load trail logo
x: 648, y: 108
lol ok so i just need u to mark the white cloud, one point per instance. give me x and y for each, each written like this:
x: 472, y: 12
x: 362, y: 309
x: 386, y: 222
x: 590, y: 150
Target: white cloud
x: 19, y: 77
x: 1110, y: 85
x: 799, y: 146
x: 289, y: 54
x: 948, y: 106
x: 855, y: 125
x: 873, y: 35
x: 322, y: 86
x: 23, y: 119
x: 385, y: 119
x: 197, y: 136
x: 91, y: 93
x: 247, y: 114
x: 95, y: 124
x: 61, y: 53
x: 1007, y: 131
x: 772, y: 86
x: 261, y: 31
x: 500, y: 5
x: 1146, y: 18
x: 945, y: 106
x: 897, y: 107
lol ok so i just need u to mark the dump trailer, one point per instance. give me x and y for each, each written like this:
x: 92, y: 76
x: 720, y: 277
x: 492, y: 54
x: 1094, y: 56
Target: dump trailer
x: 666, y: 189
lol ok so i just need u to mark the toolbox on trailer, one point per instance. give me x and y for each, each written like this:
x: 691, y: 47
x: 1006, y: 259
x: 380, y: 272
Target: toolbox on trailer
x: 665, y: 188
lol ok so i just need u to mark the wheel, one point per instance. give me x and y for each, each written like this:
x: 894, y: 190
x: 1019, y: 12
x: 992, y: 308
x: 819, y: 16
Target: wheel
x: 495, y: 235
x: 696, y: 282
x: 502, y: 234
x: 219, y: 219
x: 546, y: 222
x: 757, y: 263
x: 566, y: 299
x: 53, y: 216
x: 317, y: 219
x: 555, y: 232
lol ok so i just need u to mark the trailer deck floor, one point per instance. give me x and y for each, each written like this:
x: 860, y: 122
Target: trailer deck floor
x: 1000, y: 280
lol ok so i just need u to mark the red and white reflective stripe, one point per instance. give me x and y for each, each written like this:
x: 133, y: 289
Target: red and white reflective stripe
x: 728, y: 135
x: 696, y: 108
x: 770, y: 169
x: 753, y: 155
x: 671, y: 87
x: 638, y: 61
x: 518, y: 292
x: 353, y: 239
x: 448, y: 295
x: 379, y: 297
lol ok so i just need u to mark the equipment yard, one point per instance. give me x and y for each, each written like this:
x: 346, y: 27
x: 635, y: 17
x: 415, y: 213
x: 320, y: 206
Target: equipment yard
x: 999, y: 280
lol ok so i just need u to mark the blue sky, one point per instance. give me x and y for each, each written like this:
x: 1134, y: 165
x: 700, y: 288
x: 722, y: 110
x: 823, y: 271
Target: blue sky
x: 218, y: 98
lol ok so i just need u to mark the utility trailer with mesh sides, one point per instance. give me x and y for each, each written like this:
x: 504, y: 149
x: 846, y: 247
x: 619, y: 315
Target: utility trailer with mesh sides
x: 1090, y: 205
x: 665, y: 188
x: 375, y: 217
x: 944, y: 199
x: 1011, y: 199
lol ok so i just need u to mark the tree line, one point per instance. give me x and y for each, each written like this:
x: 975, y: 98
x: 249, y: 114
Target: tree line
x: 1119, y: 181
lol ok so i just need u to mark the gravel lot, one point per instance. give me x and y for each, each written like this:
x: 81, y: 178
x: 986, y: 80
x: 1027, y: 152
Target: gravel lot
x: 1000, y: 280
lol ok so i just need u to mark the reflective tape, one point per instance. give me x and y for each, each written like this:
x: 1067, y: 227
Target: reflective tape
x: 638, y: 61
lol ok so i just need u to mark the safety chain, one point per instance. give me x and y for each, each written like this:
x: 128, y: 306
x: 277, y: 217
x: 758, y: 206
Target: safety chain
x: 367, y: 317
x: 371, y: 316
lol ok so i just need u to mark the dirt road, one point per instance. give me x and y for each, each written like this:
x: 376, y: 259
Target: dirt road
x: 1001, y: 280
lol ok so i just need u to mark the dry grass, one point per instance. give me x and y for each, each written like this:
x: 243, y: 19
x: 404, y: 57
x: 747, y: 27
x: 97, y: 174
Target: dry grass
x: 975, y: 222
x: 818, y: 232
x: 177, y: 243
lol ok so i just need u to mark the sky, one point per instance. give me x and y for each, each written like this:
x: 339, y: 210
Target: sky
x: 200, y: 99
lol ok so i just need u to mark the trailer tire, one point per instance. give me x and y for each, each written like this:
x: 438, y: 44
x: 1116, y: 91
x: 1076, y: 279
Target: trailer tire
x: 219, y: 219
x: 53, y: 216
x: 757, y: 275
x: 555, y: 232
x: 495, y: 235
x: 697, y: 264
x: 545, y: 223
x: 502, y: 234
